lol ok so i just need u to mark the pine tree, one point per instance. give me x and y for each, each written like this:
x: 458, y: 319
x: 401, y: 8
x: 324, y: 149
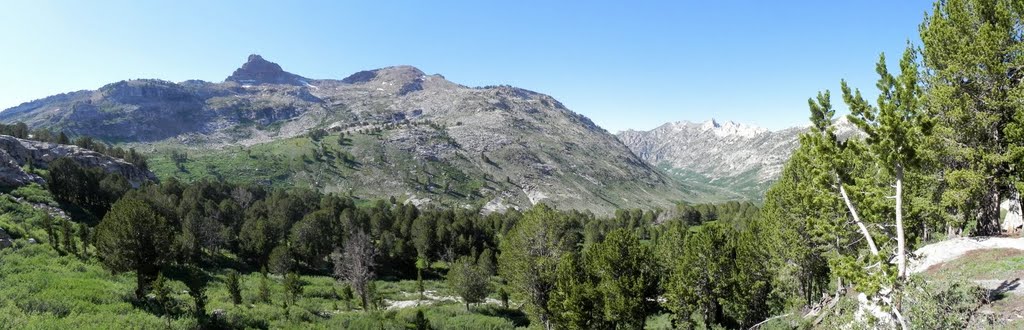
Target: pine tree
x: 292, y: 288
x: 162, y: 293
x: 234, y: 287
x: 263, y: 291
x: 133, y: 237
x: 896, y: 130
x: 971, y: 50
x: 68, y: 237
x: 85, y: 237
x: 421, y: 264
x: 51, y: 233
x: 469, y: 281
x: 530, y: 255
x: 628, y: 275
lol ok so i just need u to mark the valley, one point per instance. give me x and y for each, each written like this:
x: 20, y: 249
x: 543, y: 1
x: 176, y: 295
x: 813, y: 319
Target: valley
x: 168, y: 187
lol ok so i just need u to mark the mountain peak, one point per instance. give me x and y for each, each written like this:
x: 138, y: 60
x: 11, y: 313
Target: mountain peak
x: 731, y: 128
x: 257, y: 70
x: 710, y: 124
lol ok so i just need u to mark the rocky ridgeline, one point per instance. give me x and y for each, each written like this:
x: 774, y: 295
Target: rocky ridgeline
x: 530, y: 146
x: 16, y: 153
x: 722, y: 152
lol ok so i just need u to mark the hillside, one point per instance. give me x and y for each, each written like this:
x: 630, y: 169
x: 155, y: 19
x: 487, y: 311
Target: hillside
x: 410, y: 135
x: 726, y: 161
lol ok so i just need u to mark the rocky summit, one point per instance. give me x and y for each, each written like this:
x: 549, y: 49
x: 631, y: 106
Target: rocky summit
x: 393, y: 131
x: 256, y: 71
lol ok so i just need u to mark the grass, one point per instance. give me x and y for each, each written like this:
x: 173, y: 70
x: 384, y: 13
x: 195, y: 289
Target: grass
x: 21, y: 220
x: 742, y: 187
x: 1005, y: 265
x: 34, y: 193
x: 43, y: 289
x: 981, y: 264
x: 366, y: 165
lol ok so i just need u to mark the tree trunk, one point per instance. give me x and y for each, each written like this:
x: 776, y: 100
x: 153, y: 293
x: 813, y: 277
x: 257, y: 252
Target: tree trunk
x: 856, y: 218
x: 901, y: 241
x: 140, y: 285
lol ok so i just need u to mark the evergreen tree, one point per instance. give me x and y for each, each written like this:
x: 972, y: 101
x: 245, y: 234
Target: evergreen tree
x: 531, y: 253
x: 263, y: 291
x: 576, y: 302
x: 699, y: 276
x: 971, y: 52
x: 896, y: 131
x: 486, y: 262
x: 132, y: 237
x: 196, y: 283
x: 234, y: 287
x: 421, y: 264
x: 68, y: 237
x: 162, y: 293
x: 86, y: 238
x: 628, y: 278
x: 469, y: 281
x: 292, y: 288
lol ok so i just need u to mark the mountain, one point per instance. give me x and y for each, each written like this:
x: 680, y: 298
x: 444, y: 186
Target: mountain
x: 394, y: 131
x: 724, y: 160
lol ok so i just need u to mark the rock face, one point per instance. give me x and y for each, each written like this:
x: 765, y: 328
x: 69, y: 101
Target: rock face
x: 11, y: 173
x: 256, y: 70
x: 15, y: 153
x: 739, y: 160
x: 512, y: 146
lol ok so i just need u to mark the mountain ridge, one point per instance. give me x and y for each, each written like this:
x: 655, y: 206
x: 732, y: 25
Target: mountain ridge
x: 740, y: 159
x: 411, y: 134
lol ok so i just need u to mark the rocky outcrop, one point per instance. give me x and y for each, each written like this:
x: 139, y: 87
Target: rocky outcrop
x: 16, y: 153
x: 257, y: 70
x: 11, y: 173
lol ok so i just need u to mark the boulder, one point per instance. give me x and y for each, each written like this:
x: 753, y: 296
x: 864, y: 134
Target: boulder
x: 5, y: 239
x: 1013, y: 223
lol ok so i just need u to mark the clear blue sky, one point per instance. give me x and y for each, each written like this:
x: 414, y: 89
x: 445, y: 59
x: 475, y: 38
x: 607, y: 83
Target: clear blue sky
x: 625, y: 64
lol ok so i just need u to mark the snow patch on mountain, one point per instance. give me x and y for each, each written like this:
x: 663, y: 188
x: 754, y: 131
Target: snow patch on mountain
x: 748, y: 157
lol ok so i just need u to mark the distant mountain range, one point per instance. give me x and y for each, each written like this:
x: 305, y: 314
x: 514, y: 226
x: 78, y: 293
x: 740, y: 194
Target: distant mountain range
x: 722, y: 160
x: 393, y: 131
